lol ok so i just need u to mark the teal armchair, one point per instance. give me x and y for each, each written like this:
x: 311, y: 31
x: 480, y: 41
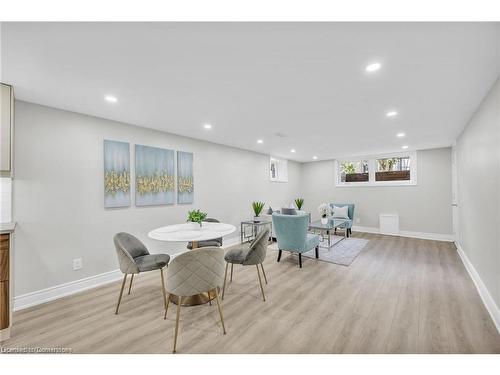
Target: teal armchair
x: 291, y: 234
x: 350, y: 213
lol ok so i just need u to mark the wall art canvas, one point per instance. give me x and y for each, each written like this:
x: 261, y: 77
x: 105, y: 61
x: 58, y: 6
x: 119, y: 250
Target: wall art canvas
x: 154, y: 176
x: 185, y: 183
x: 116, y: 174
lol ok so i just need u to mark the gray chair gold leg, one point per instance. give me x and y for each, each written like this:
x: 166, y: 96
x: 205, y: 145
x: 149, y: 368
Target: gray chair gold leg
x: 260, y: 282
x: 224, y: 286
x: 166, y: 307
x: 121, y: 293
x: 130, y: 286
x: 220, y: 309
x: 177, y: 322
x: 209, y: 302
x: 163, y: 291
x: 231, y: 279
x: 263, y: 272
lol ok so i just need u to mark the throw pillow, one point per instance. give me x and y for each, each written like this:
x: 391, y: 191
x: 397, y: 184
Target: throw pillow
x: 340, y: 212
x: 288, y: 211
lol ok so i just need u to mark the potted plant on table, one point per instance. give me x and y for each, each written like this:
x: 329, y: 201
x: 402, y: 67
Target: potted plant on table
x: 324, y: 211
x: 196, y: 217
x: 257, y: 209
x: 299, y: 202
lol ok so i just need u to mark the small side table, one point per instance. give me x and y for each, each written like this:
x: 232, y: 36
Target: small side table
x: 254, y: 229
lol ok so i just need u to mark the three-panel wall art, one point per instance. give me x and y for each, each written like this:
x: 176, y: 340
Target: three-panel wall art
x: 155, y: 175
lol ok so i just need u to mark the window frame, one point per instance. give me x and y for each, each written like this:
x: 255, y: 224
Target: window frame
x: 372, y: 168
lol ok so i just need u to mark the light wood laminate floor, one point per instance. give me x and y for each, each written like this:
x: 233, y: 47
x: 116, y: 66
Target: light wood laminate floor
x: 400, y: 295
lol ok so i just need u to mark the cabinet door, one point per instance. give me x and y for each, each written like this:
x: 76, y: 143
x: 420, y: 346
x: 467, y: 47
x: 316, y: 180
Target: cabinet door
x: 6, y: 114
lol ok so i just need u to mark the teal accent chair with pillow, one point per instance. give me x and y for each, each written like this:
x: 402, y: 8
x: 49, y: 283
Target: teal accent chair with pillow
x: 291, y: 234
x: 350, y: 214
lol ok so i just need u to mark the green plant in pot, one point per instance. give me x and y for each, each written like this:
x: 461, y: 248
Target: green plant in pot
x: 196, y: 217
x: 299, y: 202
x: 257, y: 209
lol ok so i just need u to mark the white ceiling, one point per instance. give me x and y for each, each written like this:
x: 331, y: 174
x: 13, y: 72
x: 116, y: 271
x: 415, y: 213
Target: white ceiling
x: 305, y: 81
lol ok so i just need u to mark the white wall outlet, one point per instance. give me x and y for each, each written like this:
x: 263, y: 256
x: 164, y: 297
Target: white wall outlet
x: 358, y: 220
x: 77, y: 264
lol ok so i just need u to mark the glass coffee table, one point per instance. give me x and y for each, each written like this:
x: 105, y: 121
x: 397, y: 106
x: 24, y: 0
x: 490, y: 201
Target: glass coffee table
x: 324, y: 230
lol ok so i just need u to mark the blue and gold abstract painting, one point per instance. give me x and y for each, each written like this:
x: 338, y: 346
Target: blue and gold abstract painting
x: 154, y: 176
x: 116, y: 174
x: 185, y: 183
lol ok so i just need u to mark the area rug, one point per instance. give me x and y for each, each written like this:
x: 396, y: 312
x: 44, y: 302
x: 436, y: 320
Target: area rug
x: 343, y: 252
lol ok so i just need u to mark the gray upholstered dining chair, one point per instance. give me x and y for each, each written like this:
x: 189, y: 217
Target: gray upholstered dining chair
x: 134, y: 258
x: 209, y: 243
x: 248, y: 254
x: 192, y: 273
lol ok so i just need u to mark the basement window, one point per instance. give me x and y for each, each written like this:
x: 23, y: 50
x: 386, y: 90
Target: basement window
x: 381, y: 170
x: 278, y: 169
x: 354, y: 171
x: 393, y: 169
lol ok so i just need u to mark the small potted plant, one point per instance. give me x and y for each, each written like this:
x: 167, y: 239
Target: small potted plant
x: 324, y: 211
x: 196, y: 217
x: 257, y: 209
x: 299, y: 202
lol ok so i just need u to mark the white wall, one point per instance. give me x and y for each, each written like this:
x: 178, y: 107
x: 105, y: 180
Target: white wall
x: 5, y: 200
x: 425, y: 207
x: 58, y: 193
x: 478, y: 170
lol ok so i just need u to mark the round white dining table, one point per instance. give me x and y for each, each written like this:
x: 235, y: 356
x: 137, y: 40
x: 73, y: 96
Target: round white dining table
x: 192, y: 232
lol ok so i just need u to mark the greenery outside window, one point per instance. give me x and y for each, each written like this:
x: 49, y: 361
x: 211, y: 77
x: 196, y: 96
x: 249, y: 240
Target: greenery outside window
x: 393, y: 169
x: 354, y: 171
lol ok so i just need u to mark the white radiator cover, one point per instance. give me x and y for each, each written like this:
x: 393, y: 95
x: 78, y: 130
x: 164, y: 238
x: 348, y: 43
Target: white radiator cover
x: 389, y: 224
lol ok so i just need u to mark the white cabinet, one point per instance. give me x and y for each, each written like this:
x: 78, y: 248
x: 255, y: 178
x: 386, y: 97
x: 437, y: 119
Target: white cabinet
x: 6, y: 129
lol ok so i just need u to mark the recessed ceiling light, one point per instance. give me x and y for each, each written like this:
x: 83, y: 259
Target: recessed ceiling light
x: 315, y: 157
x: 260, y: 141
x: 373, y: 67
x: 391, y: 114
x: 400, y: 135
x: 207, y: 126
x: 110, y: 98
x: 292, y: 150
x: 404, y: 147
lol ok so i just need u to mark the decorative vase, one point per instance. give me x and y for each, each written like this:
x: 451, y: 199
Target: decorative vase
x: 324, y: 220
x: 256, y: 219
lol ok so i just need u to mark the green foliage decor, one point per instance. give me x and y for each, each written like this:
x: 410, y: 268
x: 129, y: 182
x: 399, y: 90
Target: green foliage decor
x: 257, y: 207
x: 299, y: 202
x: 196, y: 216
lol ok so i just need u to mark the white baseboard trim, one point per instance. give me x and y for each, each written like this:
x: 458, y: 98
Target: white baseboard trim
x: 485, y: 295
x: 407, y: 233
x: 55, y: 292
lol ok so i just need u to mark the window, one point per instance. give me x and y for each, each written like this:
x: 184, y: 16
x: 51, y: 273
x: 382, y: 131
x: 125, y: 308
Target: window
x: 354, y: 171
x: 393, y: 169
x: 381, y: 170
x: 278, y: 170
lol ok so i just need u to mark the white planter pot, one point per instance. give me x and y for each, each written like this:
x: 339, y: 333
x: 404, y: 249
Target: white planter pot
x: 194, y: 226
x: 324, y: 220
